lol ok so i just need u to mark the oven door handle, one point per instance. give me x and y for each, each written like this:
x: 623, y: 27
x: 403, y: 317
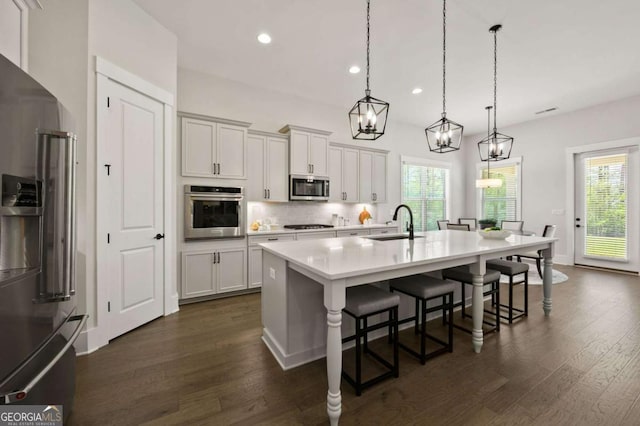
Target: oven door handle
x: 214, y: 198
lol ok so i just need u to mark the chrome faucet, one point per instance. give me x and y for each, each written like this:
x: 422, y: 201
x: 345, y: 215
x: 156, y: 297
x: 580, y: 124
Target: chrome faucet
x: 395, y: 217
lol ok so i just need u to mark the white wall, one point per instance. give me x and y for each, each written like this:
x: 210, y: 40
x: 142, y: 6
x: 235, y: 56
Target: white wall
x: 269, y: 111
x: 64, y: 39
x: 542, y: 145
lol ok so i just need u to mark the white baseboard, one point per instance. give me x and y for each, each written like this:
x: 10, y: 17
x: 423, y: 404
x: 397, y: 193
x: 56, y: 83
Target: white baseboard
x: 88, y: 341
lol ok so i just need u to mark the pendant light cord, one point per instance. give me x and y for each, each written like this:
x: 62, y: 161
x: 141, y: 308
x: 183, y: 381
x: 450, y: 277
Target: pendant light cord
x: 368, y: 37
x: 444, y: 57
x: 488, y: 142
x: 495, y: 79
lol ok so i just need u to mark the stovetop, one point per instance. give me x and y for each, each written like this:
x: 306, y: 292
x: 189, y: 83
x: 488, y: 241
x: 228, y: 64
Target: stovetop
x: 309, y: 226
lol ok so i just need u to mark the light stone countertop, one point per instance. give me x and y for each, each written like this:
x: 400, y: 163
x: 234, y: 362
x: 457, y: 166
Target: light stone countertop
x: 335, y: 258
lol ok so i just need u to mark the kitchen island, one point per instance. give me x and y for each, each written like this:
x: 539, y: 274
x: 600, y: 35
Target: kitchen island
x: 304, y: 282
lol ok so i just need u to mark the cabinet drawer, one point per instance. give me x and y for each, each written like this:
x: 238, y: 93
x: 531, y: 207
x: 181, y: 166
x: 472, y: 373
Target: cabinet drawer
x: 259, y: 239
x: 378, y: 231
x: 315, y: 235
x: 352, y: 232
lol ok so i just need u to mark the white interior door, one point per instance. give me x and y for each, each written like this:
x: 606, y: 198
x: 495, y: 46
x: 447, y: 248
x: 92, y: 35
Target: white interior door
x: 135, y: 185
x: 606, y: 206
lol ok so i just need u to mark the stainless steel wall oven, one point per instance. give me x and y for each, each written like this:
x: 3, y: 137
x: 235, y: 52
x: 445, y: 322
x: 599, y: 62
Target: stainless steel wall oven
x: 213, y: 212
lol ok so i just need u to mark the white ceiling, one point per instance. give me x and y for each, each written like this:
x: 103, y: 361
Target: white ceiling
x: 568, y: 54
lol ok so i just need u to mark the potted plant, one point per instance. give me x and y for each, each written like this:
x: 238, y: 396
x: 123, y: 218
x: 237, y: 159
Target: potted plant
x: 487, y: 223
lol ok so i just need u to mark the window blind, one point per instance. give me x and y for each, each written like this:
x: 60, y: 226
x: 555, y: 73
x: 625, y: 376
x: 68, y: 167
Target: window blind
x: 424, y: 190
x: 606, y: 206
x: 502, y: 203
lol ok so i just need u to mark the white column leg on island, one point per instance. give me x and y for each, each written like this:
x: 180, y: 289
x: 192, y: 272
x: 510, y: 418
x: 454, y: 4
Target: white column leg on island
x: 477, y: 305
x: 334, y: 301
x: 547, y: 281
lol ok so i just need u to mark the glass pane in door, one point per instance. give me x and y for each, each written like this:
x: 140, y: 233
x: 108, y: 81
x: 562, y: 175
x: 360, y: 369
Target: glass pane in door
x: 605, y: 198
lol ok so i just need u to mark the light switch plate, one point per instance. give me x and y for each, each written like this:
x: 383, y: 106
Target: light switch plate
x: 272, y: 273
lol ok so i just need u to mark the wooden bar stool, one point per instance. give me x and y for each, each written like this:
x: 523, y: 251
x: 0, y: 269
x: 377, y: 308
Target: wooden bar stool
x: 361, y: 303
x: 512, y: 269
x: 425, y: 288
x: 491, y: 278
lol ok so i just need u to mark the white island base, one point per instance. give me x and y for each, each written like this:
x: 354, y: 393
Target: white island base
x: 304, y: 282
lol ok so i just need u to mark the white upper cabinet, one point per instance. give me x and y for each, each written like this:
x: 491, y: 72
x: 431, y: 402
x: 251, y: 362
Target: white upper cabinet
x: 213, y: 147
x: 308, y: 151
x: 267, y: 164
x: 373, y: 177
x: 344, y: 168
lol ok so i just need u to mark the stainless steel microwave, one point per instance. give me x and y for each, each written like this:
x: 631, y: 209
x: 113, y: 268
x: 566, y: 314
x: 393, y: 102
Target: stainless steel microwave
x: 213, y: 212
x: 308, y: 188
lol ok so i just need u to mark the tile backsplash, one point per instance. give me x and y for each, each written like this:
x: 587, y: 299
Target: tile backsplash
x: 301, y: 212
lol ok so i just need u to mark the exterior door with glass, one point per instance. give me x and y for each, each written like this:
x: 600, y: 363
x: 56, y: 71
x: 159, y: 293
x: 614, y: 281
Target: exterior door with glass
x: 607, y: 210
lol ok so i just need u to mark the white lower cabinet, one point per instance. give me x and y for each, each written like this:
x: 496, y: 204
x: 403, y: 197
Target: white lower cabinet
x: 387, y: 230
x: 315, y: 235
x: 255, y: 255
x: 213, y: 271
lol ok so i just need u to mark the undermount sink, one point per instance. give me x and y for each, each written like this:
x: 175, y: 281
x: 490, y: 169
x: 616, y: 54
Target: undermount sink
x: 391, y: 237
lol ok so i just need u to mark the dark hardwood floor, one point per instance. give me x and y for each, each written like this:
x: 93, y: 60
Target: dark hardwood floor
x: 206, y: 365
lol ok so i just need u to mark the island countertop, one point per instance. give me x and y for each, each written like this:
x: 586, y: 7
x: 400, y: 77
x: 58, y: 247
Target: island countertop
x: 335, y: 258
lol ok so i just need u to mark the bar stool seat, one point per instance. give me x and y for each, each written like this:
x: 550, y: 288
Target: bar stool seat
x: 464, y: 276
x: 361, y: 303
x: 512, y: 269
x: 425, y: 288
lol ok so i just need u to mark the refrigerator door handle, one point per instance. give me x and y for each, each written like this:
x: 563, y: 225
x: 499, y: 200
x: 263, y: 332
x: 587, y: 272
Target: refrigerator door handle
x: 67, y: 266
x: 20, y: 394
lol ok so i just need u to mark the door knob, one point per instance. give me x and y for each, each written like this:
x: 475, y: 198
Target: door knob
x: 159, y: 236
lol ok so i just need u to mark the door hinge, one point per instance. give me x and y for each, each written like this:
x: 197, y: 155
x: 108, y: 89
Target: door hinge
x: 108, y: 102
x: 108, y: 238
x: 108, y: 306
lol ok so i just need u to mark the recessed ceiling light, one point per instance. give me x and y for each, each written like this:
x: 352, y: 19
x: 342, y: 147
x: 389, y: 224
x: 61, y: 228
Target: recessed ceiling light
x: 264, y: 38
x: 354, y: 69
x: 416, y: 91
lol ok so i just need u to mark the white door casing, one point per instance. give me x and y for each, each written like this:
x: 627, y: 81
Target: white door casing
x: 580, y: 226
x: 135, y: 185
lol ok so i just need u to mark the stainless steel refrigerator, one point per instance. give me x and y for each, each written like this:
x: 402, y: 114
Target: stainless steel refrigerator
x: 38, y: 318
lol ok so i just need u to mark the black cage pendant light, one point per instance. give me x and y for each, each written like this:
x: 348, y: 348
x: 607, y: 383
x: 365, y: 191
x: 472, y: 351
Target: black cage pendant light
x: 487, y: 182
x: 444, y: 135
x: 368, y: 117
x: 496, y: 146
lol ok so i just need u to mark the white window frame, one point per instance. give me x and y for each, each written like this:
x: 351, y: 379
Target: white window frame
x: 426, y: 162
x: 511, y: 161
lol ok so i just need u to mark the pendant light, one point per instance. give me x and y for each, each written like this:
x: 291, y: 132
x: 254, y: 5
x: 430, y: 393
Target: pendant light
x: 496, y: 146
x: 368, y: 117
x: 444, y: 135
x: 488, y: 182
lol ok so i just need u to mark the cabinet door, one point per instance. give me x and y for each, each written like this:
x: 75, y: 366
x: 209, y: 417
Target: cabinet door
x: 379, y: 177
x: 351, y: 174
x: 335, y: 174
x: 276, y: 170
x: 198, y: 141
x: 231, y: 151
x: 318, y: 154
x: 256, y: 155
x: 388, y: 230
x: 231, y: 270
x: 255, y: 267
x: 366, y: 173
x: 299, y: 153
x: 197, y: 275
